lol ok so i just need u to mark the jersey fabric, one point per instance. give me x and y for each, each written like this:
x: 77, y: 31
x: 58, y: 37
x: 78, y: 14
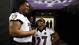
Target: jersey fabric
x: 44, y: 37
x: 24, y: 27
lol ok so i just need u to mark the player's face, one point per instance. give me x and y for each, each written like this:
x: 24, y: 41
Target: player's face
x: 41, y: 24
x: 25, y: 7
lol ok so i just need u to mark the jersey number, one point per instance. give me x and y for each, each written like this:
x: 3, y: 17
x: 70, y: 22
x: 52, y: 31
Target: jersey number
x: 43, y: 37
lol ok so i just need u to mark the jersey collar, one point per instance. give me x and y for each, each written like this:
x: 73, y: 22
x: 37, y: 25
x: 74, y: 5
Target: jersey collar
x: 42, y: 29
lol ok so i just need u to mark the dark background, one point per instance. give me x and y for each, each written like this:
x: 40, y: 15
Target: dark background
x: 4, y: 14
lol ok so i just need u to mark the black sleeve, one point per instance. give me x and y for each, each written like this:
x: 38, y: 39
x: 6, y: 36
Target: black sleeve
x: 17, y: 20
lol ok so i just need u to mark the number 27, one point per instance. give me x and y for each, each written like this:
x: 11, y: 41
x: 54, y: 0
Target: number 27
x: 43, y: 37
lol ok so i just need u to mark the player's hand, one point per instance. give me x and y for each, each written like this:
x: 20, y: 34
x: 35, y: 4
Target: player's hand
x: 33, y: 31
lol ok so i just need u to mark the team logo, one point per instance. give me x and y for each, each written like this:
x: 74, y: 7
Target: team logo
x: 45, y: 33
x: 48, y: 4
x: 14, y: 17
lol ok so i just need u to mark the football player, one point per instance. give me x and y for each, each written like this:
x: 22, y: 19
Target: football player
x: 19, y: 25
x: 45, y: 35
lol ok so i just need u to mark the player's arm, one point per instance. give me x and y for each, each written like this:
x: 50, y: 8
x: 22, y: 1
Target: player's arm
x: 14, y: 29
x: 55, y: 37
